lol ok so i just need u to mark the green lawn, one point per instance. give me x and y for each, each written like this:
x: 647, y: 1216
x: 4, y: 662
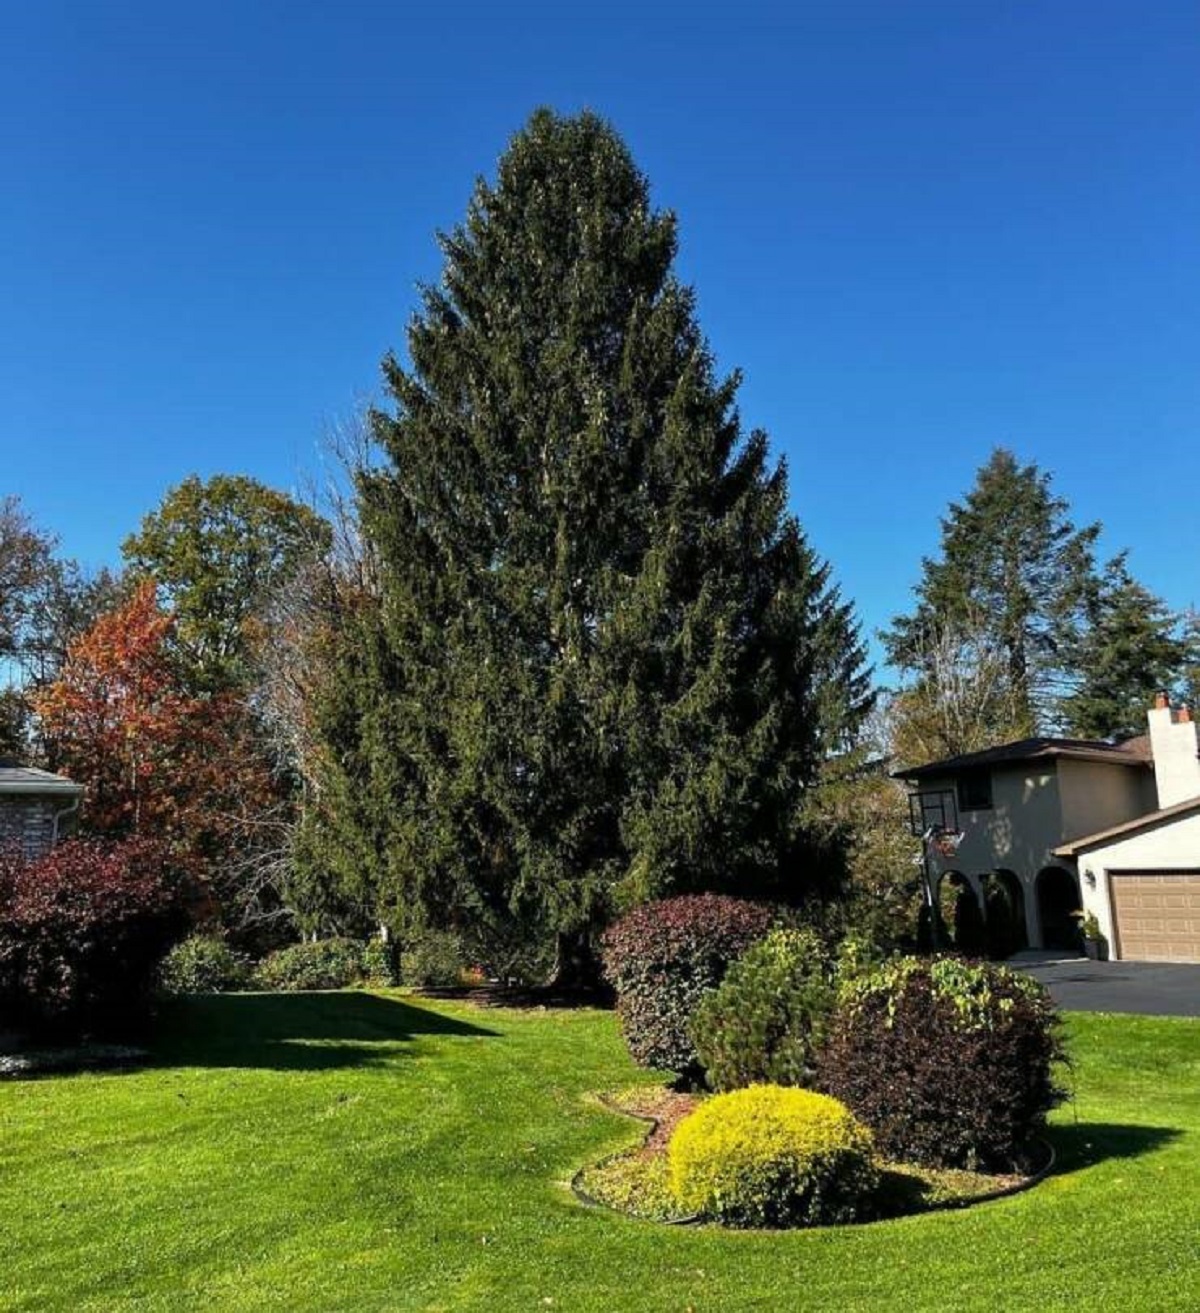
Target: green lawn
x: 362, y: 1151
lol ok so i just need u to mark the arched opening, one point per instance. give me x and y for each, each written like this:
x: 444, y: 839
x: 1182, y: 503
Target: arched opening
x: 1004, y: 906
x: 948, y: 888
x: 1057, y: 900
x: 962, y: 916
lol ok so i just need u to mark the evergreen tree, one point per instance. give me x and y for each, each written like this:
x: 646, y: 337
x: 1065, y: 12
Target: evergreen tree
x: 607, y: 661
x: 1011, y: 555
x: 1129, y: 646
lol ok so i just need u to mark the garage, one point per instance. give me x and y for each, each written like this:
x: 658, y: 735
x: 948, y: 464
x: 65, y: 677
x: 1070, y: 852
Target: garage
x: 1141, y: 882
x: 1156, y: 915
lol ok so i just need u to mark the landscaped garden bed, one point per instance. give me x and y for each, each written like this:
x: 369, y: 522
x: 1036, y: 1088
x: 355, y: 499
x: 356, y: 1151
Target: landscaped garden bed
x: 845, y: 1087
x: 636, y: 1180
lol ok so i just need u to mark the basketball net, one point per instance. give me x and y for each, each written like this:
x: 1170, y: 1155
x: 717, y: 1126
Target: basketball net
x: 945, y: 842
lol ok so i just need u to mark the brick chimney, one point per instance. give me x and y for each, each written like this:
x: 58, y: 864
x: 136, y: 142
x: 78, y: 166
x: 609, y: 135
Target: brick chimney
x: 1176, y: 752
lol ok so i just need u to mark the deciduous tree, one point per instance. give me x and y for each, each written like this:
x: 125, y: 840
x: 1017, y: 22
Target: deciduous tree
x: 155, y: 759
x: 218, y: 550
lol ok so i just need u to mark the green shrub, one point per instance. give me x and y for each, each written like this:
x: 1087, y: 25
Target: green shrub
x: 379, y: 963
x: 951, y: 1063
x: 768, y: 1156
x: 663, y: 957
x: 326, y: 964
x: 433, y: 961
x: 203, y: 964
x: 764, y: 1021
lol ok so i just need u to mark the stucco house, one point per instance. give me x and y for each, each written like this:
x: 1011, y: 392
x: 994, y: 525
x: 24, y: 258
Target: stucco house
x: 36, y: 807
x: 1063, y: 825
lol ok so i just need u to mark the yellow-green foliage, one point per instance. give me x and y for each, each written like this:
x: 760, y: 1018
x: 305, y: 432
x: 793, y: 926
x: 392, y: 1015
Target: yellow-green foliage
x: 770, y: 1156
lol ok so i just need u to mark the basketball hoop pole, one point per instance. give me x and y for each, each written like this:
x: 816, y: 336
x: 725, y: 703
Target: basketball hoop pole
x: 946, y: 842
x: 927, y: 881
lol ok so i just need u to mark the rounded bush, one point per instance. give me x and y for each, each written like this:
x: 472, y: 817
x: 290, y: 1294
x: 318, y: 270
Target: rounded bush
x: 951, y: 1063
x: 770, y: 1156
x: 325, y: 964
x: 82, y: 931
x: 433, y: 960
x: 663, y: 957
x: 765, y: 1020
x: 379, y: 963
x: 203, y: 964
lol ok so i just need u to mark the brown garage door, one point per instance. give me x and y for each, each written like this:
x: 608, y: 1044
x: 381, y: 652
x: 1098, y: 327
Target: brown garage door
x: 1157, y: 915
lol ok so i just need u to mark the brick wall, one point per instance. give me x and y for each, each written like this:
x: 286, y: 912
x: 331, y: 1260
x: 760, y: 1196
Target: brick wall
x: 27, y: 822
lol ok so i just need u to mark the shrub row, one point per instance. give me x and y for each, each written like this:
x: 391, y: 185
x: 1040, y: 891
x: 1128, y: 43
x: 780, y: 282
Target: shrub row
x: 204, y: 963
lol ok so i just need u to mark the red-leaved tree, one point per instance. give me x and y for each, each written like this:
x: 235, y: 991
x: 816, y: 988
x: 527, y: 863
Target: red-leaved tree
x: 154, y: 758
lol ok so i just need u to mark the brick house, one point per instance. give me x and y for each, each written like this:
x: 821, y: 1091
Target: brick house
x: 36, y: 807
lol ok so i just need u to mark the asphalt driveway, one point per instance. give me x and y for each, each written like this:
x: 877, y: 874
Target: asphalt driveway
x: 1157, y: 989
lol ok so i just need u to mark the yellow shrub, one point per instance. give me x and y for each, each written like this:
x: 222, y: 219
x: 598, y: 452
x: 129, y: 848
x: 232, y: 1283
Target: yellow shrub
x: 770, y: 1156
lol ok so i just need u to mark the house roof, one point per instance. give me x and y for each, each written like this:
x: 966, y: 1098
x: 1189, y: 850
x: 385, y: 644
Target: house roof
x: 28, y: 779
x: 1163, y: 816
x: 1131, y: 752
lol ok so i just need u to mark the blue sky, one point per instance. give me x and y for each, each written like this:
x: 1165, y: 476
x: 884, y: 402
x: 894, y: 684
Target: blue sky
x: 921, y: 230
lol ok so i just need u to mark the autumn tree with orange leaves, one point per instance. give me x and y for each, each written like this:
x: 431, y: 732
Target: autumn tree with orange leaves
x: 154, y: 758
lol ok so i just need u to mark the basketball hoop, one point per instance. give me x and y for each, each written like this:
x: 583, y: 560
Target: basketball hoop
x: 945, y: 842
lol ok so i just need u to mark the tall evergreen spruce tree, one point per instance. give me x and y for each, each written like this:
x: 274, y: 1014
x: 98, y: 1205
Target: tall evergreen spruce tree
x: 1013, y: 561
x: 608, y: 662
x: 1130, y: 646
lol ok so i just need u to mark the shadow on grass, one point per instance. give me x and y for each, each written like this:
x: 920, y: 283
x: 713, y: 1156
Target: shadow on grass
x: 1085, y: 1144
x: 911, y: 1190
x: 295, y: 1032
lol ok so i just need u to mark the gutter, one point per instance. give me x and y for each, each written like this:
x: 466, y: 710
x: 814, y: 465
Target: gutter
x: 41, y: 787
x: 62, y: 815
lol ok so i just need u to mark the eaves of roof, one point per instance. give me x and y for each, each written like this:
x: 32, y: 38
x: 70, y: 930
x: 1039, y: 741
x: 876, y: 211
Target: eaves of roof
x: 1164, y: 816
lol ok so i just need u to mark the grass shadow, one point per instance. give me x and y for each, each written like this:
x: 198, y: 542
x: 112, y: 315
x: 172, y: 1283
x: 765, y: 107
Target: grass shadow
x: 295, y: 1032
x: 1084, y: 1144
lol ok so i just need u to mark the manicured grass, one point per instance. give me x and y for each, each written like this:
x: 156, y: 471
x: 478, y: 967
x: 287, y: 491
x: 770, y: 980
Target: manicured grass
x: 368, y: 1152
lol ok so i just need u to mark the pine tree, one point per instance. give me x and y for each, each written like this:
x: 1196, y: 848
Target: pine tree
x: 1011, y: 556
x: 603, y: 637
x: 1129, y: 646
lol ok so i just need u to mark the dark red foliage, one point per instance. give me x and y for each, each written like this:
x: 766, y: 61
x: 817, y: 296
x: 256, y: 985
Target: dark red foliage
x: 81, y: 932
x: 663, y: 957
x: 951, y: 1063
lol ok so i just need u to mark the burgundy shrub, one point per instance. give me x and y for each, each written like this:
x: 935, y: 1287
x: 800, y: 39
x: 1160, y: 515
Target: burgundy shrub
x: 82, y: 930
x: 950, y: 1063
x: 663, y: 957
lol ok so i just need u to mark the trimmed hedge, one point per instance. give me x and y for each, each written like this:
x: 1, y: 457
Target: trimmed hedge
x: 767, y: 1017
x: 82, y: 931
x: 951, y: 1063
x: 663, y: 957
x: 203, y: 964
x: 325, y: 964
x: 769, y: 1156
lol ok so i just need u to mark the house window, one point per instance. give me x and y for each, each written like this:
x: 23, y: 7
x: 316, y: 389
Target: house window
x: 975, y: 791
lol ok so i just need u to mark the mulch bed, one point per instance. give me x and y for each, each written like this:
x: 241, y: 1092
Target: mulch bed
x: 21, y: 1064
x: 634, y: 1180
